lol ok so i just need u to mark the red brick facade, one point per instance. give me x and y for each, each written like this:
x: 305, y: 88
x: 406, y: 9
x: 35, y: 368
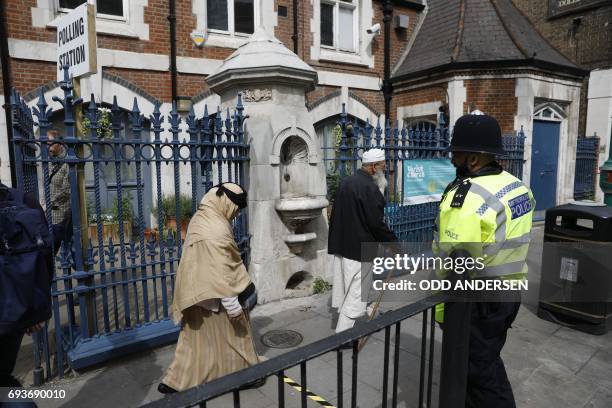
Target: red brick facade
x: 28, y: 75
x: 584, y: 37
x: 495, y: 97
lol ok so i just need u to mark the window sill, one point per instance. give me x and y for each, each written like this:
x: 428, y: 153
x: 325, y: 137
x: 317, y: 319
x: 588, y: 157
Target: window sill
x: 225, y: 40
x: 106, y: 26
x: 343, y: 57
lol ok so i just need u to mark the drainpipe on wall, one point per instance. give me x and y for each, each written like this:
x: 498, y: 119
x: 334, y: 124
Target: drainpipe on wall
x: 6, y: 86
x: 387, y: 88
x: 295, y: 36
x: 172, y: 20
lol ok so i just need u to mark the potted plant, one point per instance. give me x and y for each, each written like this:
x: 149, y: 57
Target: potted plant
x: 104, y: 130
x: 168, y: 213
x: 109, y: 221
x: 128, y: 217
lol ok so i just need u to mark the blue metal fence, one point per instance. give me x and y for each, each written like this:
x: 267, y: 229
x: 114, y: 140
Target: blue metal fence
x: 111, y: 294
x: 587, y: 155
x: 410, y: 222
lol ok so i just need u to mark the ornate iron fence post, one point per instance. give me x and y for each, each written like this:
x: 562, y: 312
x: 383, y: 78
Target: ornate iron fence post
x: 120, y: 271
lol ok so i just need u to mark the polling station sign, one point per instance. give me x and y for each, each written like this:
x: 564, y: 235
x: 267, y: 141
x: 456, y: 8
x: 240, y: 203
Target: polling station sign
x: 425, y: 180
x: 76, y: 42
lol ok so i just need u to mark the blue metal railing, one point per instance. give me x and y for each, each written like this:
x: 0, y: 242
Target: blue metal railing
x: 232, y: 383
x: 587, y: 155
x: 410, y: 222
x: 112, y: 287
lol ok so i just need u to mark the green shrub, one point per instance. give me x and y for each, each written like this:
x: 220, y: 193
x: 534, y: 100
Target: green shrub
x: 320, y: 285
x: 168, y: 208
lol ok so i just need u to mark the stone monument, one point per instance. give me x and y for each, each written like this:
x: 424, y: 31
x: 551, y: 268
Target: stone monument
x: 286, y: 178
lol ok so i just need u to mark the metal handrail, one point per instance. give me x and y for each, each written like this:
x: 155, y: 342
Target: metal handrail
x: 232, y: 382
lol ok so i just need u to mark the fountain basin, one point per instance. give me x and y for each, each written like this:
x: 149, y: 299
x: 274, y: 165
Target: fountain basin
x: 299, y: 211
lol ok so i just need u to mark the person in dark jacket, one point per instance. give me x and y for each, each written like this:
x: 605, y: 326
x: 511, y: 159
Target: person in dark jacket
x: 357, y: 218
x: 11, y: 340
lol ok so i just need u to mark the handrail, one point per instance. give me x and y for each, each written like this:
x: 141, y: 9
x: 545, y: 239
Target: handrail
x: 234, y: 381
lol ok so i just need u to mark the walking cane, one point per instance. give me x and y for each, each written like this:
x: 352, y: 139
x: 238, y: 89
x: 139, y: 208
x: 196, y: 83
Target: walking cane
x: 363, y: 340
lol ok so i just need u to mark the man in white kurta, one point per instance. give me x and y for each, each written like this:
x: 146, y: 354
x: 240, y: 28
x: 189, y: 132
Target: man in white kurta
x: 357, y: 218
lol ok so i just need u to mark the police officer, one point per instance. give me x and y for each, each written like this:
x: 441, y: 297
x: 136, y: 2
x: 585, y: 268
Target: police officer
x: 487, y: 213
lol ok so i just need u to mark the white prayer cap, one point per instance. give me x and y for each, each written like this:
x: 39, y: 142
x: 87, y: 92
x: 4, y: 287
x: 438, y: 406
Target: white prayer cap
x: 373, y: 156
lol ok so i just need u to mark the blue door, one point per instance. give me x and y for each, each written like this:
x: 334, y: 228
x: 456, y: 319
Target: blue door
x: 544, y: 159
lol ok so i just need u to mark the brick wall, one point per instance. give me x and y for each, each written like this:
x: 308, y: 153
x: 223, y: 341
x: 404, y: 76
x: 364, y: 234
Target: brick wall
x: 19, y: 17
x: 589, y: 45
x: 495, y: 97
x: 420, y: 95
x: 320, y: 92
x: 31, y: 74
x: 492, y: 96
x: 284, y: 29
x: 399, y: 38
x: 373, y: 100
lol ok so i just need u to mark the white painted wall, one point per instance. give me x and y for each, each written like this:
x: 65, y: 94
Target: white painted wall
x: 599, y: 114
x: 528, y: 89
x: 457, y: 96
x: 5, y: 166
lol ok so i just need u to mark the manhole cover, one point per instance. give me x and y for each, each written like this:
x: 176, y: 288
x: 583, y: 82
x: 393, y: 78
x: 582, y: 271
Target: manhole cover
x: 281, y: 338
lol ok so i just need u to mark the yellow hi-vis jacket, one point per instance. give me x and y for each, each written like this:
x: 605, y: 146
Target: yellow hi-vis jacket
x: 489, y: 217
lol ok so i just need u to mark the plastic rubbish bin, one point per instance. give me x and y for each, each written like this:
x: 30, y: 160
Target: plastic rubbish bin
x: 575, y: 268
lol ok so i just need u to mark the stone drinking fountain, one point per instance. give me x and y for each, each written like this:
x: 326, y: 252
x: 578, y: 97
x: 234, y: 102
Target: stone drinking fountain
x: 286, y: 181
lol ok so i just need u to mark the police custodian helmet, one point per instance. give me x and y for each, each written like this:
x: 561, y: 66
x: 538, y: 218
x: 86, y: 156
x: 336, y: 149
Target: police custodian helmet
x: 477, y: 133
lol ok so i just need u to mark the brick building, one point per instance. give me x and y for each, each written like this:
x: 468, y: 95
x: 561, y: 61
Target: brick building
x: 134, y: 50
x: 582, y: 30
x: 486, y: 55
x: 505, y: 57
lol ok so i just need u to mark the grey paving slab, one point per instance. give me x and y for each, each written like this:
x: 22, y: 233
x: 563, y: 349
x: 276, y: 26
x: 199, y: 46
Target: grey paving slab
x: 600, y: 341
x: 116, y: 387
x: 598, y: 369
x: 554, y: 385
x: 519, y: 361
x: 410, y: 331
x: 601, y: 399
x: 527, y: 318
x: 567, y: 353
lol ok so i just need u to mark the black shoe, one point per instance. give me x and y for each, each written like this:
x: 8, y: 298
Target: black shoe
x: 254, y: 384
x: 164, y: 389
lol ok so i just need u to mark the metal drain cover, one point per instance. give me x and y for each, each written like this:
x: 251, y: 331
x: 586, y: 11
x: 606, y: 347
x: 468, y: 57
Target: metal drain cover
x: 281, y: 338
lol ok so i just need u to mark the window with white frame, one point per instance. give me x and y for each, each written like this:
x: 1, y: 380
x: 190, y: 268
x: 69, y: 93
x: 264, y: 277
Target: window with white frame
x: 111, y: 9
x: 339, y: 25
x: 231, y: 16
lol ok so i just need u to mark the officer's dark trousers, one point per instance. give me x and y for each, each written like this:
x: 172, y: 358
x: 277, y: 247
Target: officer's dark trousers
x: 487, y: 382
x: 472, y: 368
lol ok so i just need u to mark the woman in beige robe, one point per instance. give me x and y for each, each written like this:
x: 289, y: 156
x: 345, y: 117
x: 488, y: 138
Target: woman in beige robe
x: 215, y: 337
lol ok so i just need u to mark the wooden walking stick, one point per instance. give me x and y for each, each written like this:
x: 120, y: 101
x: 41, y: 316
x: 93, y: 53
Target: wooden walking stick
x: 363, y: 340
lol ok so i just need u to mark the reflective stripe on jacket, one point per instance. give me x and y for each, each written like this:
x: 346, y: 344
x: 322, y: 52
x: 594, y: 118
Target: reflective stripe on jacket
x: 493, y: 222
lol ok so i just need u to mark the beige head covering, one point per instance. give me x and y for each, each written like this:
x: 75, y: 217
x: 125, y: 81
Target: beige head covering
x: 210, y: 266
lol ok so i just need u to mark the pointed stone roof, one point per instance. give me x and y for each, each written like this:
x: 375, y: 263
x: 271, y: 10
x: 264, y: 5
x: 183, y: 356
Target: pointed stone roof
x: 262, y: 56
x: 479, y: 34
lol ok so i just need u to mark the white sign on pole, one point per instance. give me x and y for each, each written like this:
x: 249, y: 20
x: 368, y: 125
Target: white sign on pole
x: 76, y: 42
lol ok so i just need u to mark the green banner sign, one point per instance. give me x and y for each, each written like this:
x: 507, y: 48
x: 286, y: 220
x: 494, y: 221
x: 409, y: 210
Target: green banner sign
x: 425, y: 180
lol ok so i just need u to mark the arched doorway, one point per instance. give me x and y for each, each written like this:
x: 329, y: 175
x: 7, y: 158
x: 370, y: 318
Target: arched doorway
x: 545, y: 154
